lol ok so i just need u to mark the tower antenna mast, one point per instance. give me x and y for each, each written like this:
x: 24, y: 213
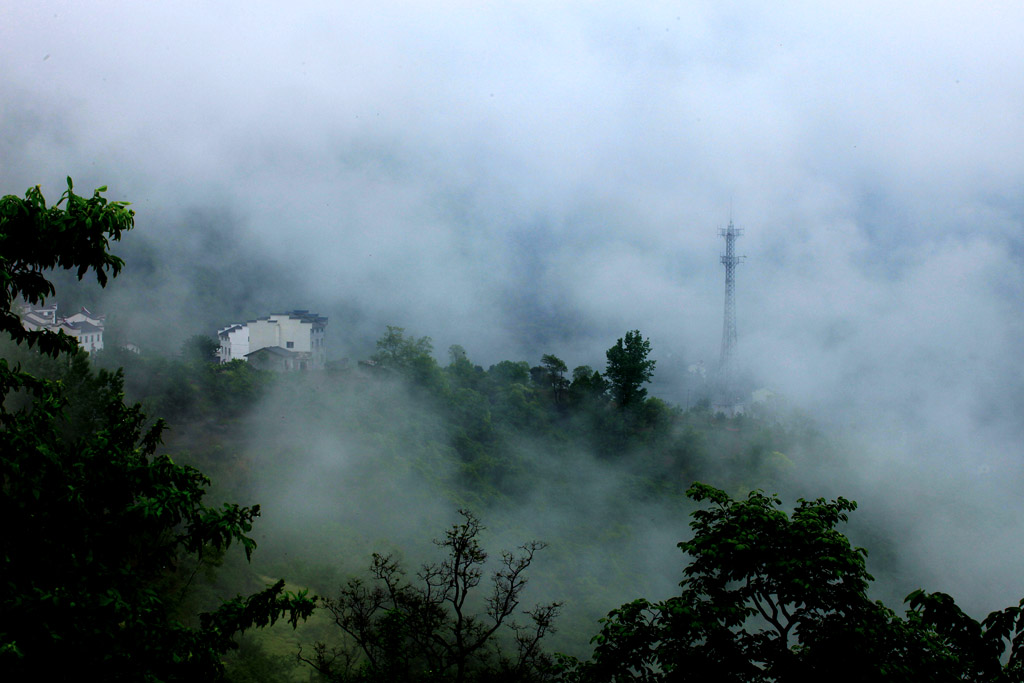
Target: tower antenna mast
x: 730, y: 260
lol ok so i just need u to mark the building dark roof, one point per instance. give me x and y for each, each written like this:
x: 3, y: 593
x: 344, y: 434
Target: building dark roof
x: 297, y: 314
x: 230, y: 328
x: 273, y: 350
x: 83, y: 327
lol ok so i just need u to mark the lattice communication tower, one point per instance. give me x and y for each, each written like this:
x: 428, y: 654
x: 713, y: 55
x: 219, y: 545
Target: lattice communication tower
x: 730, y: 260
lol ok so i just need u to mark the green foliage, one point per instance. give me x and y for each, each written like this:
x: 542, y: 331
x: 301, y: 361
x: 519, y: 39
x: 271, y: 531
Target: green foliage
x: 252, y: 663
x: 35, y: 238
x: 486, y: 416
x: 487, y: 440
x: 774, y: 597
x: 629, y: 369
x: 200, y: 348
x: 410, y: 357
x: 402, y: 632
x: 587, y: 387
x: 394, y: 350
x: 972, y: 650
x: 552, y: 377
x: 509, y: 372
x: 100, y: 529
x: 189, y: 389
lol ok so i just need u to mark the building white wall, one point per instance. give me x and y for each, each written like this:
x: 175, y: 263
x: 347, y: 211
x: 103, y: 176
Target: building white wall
x: 93, y: 341
x: 89, y: 337
x: 298, y: 331
x: 38, y: 317
x: 86, y: 328
x: 234, y: 343
x: 263, y: 333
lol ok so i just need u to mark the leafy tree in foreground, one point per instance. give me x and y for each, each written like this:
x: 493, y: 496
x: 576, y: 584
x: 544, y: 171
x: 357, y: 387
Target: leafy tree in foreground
x: 97, y: 525
x: 35, y: 238
x: 629, y: 369
x: 774, y: 597
x: 404, y: 632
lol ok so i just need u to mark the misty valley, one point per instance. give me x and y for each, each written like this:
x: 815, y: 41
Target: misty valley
x: 191, y: 515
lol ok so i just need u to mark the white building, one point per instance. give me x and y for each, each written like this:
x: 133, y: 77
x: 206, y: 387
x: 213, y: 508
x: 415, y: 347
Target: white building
x: 234, y: 342
x: 89, y: 336
x: 296, y: 339
x: 85, y: 327
x: 38, y: 317
x: 86, y: 316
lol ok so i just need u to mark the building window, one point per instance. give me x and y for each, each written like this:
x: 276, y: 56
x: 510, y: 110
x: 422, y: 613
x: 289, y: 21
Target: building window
x: 290, y: 345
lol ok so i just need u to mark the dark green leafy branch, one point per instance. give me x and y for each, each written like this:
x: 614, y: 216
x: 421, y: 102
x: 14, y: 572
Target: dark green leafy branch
x: 770, y: 596
x: 36, y: 238
x: 99, y: 526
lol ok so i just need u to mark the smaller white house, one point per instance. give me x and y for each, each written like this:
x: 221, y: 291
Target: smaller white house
x: 84, y: 326
x: 234, y: 342
x: 38, y: 317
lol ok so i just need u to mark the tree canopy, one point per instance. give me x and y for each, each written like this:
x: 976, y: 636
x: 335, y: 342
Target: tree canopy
x: 35, y: 238
x: 774, y: 597
x: 102, y: 533
x: 629, y: 369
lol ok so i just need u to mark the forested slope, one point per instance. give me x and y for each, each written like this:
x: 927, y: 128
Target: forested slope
x: 378, y: 455
x: 451, y: 518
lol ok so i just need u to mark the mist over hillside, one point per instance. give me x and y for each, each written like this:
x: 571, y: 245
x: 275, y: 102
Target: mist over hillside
x: 527, y: 180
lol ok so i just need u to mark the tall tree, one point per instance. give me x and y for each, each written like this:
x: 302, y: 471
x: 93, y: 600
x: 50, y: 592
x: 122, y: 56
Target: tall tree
x: 771, y: 597
x: 98, y: 527
x: 629, y: 369
x: 461, y: 371
x: 553, y: 370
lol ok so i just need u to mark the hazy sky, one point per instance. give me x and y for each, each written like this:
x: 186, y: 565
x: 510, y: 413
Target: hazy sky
x: 530, y: 177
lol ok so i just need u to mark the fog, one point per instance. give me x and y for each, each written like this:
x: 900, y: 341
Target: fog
x: 523, y: 179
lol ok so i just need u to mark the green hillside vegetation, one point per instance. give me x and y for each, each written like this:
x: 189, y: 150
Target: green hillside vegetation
x: 476, y: 420
x: 104, y: 536
x: 563, y: 494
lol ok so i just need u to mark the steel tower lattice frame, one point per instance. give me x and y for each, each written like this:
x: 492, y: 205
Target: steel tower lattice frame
x: 730, y: 260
